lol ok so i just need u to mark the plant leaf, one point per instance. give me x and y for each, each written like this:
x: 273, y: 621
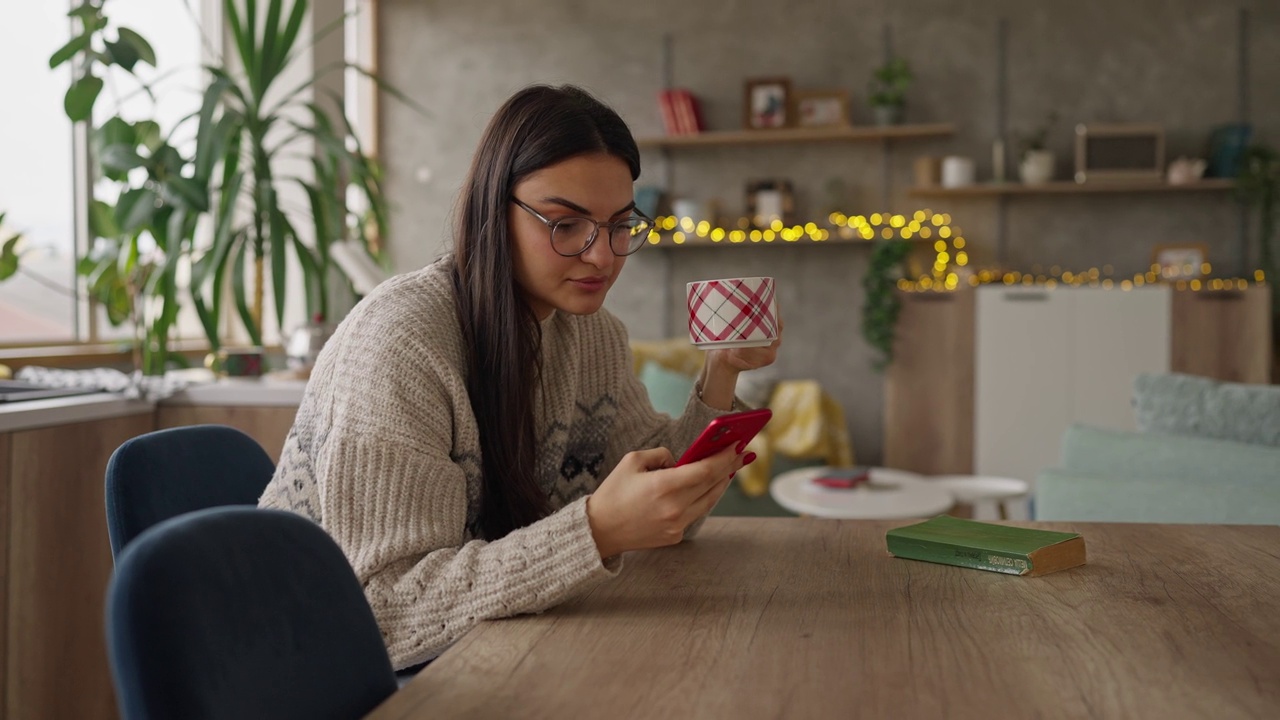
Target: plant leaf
x: 121, y: 54
x: 134, y: 209
x: 290, y: 33
x: 102, y: 220
x: 80, y: 97
x: 9, y: 256
x: 68, y: 51
x: 186, y: 193
x: 141, y: 48
x: 120, y: 158
x: 270, y: 34
x: 239, y: 294
x: 147, y: 134
x: 279, y: 248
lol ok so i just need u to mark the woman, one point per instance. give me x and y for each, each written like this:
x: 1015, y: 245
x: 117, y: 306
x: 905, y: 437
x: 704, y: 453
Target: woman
x: 473, y: 435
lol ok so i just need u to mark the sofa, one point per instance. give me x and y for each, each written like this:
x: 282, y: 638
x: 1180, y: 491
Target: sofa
x: 1204, y: 452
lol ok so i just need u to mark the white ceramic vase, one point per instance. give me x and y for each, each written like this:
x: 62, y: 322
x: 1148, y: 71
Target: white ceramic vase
x: 1036, y: 167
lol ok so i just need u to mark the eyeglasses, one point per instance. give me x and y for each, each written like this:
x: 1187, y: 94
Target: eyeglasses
x: 572, y: 235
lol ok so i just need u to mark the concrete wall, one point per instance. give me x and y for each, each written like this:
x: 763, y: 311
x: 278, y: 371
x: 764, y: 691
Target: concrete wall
x: 1166, y: 61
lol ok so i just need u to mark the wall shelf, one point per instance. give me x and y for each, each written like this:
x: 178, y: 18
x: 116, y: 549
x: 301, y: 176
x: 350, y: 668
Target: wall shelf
x: 798, y: 135
x: 1067, y: 187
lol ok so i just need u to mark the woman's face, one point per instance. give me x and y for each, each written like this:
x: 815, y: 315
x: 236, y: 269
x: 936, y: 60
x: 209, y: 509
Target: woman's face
x: 597, y: 186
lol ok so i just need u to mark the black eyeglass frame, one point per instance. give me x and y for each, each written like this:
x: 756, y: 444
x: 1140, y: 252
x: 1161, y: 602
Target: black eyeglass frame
x: 551, y: 225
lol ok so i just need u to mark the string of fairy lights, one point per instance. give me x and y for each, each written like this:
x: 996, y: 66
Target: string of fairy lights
x: 951, y: 262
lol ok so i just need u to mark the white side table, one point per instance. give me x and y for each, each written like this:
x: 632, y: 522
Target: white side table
x: 976, y: 490
x: 887, y: 495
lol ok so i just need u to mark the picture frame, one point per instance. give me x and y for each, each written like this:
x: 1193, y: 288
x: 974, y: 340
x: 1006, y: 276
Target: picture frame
x: 1180, y: 261
x: 770, y: 199
x: 821, y: 108
x: 766, y: 103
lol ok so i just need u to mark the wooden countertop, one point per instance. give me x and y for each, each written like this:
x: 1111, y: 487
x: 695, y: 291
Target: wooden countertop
x: 812, y: 618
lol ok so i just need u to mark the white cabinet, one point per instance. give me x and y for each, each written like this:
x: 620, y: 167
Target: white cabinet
x: 1046, y: 358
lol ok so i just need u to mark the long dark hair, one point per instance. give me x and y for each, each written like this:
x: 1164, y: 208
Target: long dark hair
x: 538, y: 127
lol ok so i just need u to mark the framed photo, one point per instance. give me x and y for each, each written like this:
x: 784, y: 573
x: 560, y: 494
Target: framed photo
x: 769, y: 200
x: 821, y: 108
x: 1180, y: 262
x: 767, y: 103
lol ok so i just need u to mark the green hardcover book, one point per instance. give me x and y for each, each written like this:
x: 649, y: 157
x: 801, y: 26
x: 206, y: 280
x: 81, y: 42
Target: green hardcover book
x: 985, y: 546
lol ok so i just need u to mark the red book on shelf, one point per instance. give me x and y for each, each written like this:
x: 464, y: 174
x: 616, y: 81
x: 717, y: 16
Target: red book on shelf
x: 666, y: 103
x: 687, y: 111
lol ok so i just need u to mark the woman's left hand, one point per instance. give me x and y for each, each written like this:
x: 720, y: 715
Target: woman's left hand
x: 743, y: 359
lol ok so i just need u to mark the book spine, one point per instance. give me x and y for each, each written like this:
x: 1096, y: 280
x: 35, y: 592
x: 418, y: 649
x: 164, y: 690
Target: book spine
x: 961, y: 556
x: 667, y: 106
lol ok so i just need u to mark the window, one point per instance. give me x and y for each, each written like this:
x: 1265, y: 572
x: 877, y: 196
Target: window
x: 40, y: 169
x: 37, y: 176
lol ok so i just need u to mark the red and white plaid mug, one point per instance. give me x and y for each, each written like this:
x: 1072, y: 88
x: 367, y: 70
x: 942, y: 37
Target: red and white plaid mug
x: 733, y: 312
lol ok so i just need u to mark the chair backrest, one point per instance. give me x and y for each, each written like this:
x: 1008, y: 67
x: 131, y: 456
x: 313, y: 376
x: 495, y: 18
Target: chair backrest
x: 162, y: 474
x: 242, y: 613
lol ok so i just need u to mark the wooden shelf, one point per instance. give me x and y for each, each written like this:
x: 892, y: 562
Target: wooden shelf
x: 1066, y: 187
x: 799, y: 135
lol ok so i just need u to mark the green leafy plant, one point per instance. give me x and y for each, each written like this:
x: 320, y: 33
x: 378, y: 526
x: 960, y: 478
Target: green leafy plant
x: 1038, y: 137
x: 1259, y: 185
x: 8, y: 253
x: 880, y: 312
x: 139, y: 237
x: 889, y: 84
x: 245, y: 123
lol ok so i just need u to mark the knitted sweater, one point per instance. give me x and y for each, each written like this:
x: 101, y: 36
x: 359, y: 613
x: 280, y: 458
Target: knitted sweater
x: 385, y: 454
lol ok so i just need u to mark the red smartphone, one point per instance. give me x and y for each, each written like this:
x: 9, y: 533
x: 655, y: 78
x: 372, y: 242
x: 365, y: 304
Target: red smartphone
x: 725, y: 431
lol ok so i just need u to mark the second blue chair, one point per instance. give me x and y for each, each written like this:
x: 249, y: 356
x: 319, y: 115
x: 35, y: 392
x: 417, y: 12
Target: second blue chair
x: 166, y: 473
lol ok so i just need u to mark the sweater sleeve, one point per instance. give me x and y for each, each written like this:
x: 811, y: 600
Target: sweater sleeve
x: 399, y: 513
x: 394, y: 496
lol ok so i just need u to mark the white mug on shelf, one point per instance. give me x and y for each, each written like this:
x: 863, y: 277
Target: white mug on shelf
x: 957, y: 171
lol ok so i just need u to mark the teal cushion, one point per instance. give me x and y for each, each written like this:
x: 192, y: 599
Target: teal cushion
x: 668, y: 390
x: 1196, y: 406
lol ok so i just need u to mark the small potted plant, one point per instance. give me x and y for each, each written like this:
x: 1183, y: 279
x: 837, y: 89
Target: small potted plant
x: 888, y: 93
x: 1036, y: 160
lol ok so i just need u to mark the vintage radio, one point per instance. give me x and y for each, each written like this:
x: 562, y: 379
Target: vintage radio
x: 1131, y: 152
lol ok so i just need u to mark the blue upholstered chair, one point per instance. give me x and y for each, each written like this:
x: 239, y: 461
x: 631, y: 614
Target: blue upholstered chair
x: 238, y: 612
x: 162, y: 474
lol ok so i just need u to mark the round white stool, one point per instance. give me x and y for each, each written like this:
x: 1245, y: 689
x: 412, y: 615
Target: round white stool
x: 974, y: 490
x: 887, y: 495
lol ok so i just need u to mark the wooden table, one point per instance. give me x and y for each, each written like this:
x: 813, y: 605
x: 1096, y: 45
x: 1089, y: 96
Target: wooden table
x: 803, y: 618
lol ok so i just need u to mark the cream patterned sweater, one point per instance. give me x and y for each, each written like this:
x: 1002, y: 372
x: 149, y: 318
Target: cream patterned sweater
x: 385, y: 455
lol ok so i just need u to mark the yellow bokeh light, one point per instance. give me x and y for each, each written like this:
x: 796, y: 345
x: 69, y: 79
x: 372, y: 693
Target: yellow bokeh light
x: 1259, y: 276
x: 1195, y: 284
x: 756, y: 236
x: 1126, y: 284
x: 686, y: 224
x: 717, y: 234
x: 926, y: 232
x: 876, y: 219
x: 678, y: 238
x: 886, y: 233
x: 776, y: 225
x: 926, y: 282
x: 1242, y: 284
x: 944, y: 232
x: 668, y: 223
x: 810, y: 228
x: 704, y: 227
x: 918, y: 216
x: 939, y: 246
x: 958, y: 242
x: 737, y: 236
x: 897, y: 221
x: 836, y: 218
x: 654, y: 237
x: 936, y: 220
x: 907, y: 233
x: 1107, y: 284
x: 943, y: 258
x: 769, y: 235
x: 962, y: 258
x: 1205, y: 268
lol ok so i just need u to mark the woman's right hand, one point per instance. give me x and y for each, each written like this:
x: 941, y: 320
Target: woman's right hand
x: 647, y: 503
